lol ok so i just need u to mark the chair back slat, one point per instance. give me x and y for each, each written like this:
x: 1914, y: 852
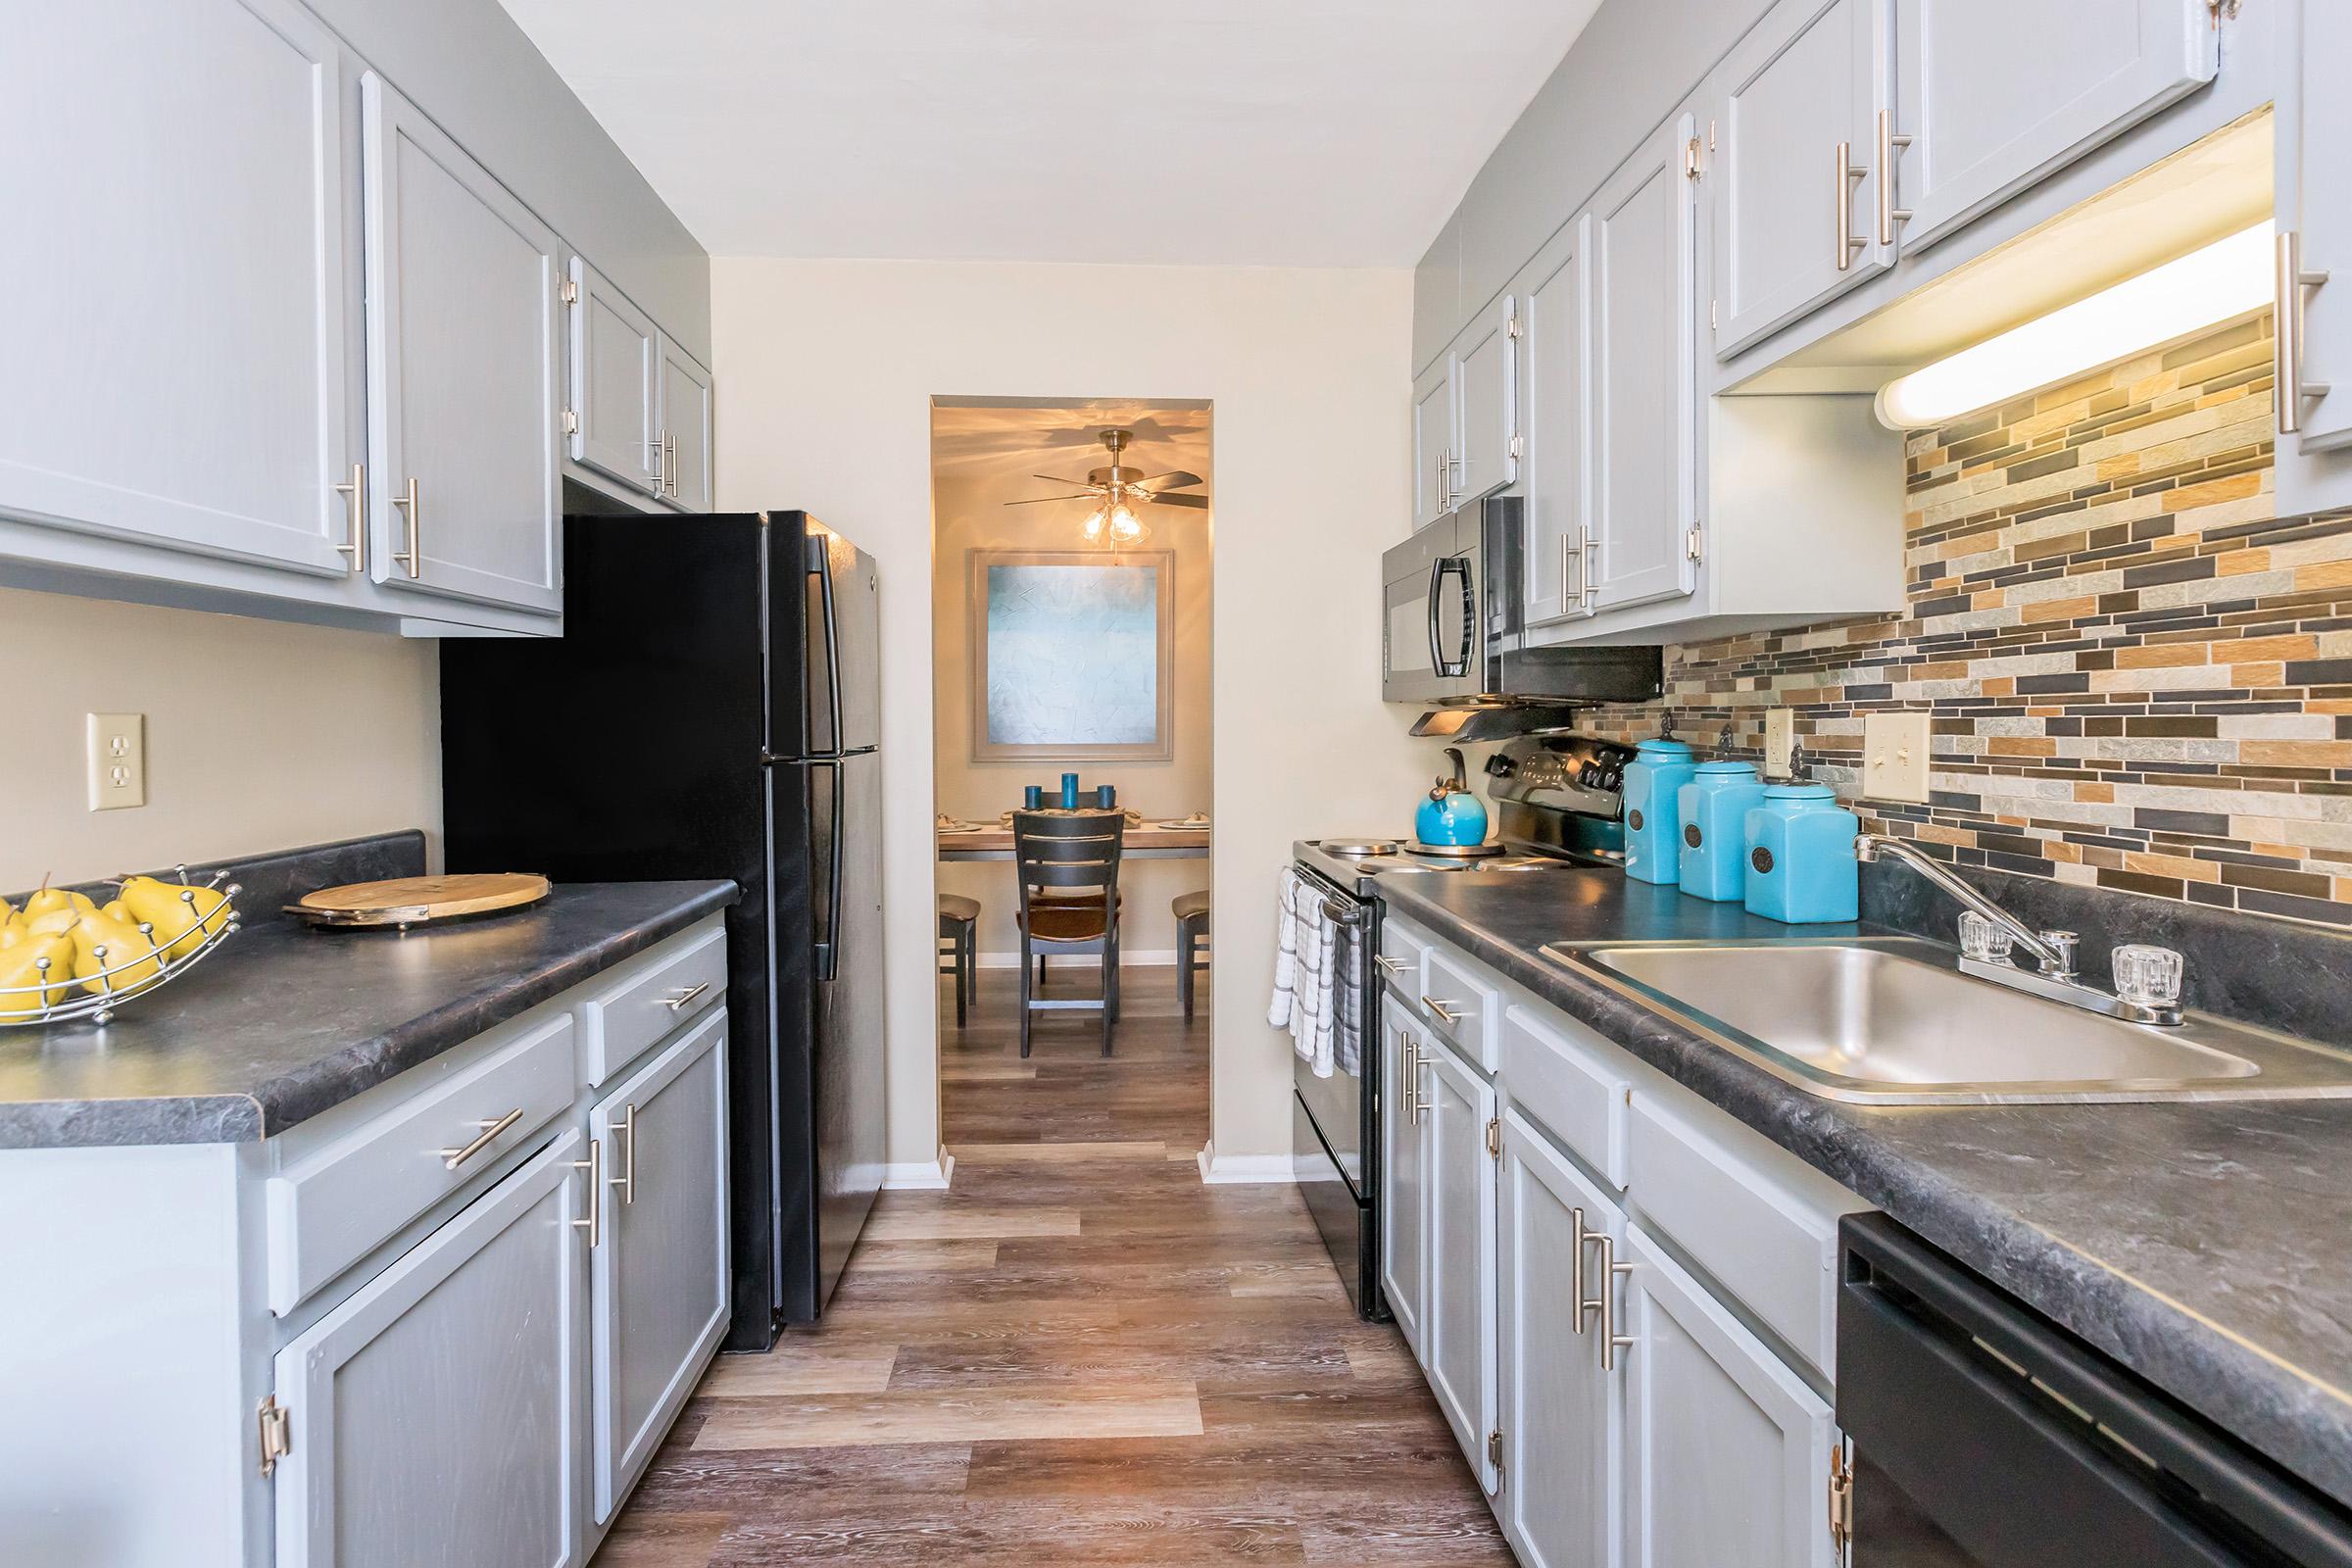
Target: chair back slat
x: 1079, y: 849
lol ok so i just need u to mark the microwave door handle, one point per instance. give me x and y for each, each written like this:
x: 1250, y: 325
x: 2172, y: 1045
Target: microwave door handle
x: 1459, y: 567
x: 1470, y: 626
x: 1436, y: 655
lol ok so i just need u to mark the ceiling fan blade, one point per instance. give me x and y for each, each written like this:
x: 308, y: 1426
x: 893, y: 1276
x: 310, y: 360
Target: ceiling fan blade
x: 1038, y: 501
x: 1179, y: 480
x: 1200, y: 502
x: 1056, y: 478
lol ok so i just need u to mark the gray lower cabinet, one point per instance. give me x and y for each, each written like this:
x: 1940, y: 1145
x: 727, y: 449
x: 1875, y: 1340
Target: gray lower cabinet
x: 465, y: 365
x: 1728, y: 1453
x: 1460, y: 1139
x: 449, y: 1375
x: 183, y: 349
x: 615, y: 386
x: 1645, y: 400
x: 2313, y: 144
x: 685, y: 430
x: 1562, y: 1411
x: 658, y: 1267
x: 1798, y: 167
x: 1553, y: 468
x: 1995, y: 94
x: 1403, y: 1253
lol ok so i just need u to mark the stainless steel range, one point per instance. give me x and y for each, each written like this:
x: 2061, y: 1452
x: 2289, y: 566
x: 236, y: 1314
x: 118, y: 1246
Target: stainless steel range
x: 1556, y: 810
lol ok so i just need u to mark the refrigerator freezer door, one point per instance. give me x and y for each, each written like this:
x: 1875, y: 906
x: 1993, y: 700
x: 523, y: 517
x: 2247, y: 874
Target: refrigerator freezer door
x: 843, y: 660
x: 847, y: 1049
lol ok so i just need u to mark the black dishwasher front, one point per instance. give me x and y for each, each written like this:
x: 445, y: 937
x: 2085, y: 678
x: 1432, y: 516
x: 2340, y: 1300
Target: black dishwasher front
x: 1986, y: 1436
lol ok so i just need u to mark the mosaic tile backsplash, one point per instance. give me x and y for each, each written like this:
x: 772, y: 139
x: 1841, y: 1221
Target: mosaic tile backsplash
x: 2140, y: 676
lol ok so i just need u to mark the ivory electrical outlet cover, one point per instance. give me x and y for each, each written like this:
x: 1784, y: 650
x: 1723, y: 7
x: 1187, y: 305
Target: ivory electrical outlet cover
x: 1894, y: 756
x: 1780, y: 740
x: 117, y: 761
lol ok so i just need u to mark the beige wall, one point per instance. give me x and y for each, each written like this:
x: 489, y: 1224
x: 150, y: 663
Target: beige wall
x: 260, y: 735
x: 827, y: 371
x: 969, y: 497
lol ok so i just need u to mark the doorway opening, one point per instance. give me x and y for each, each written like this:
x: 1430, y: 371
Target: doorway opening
x: 1071, y: 720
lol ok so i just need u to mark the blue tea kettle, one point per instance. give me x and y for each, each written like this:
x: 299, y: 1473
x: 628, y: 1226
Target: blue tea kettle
x: 1452, y: 817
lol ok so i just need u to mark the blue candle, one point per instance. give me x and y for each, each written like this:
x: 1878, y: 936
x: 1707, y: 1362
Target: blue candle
x: 1069, y: 792
x: 1033, y: 795
x: 1106, y: 797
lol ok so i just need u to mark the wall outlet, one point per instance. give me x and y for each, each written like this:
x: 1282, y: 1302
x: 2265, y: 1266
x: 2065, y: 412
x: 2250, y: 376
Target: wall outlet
x: 1779, y: 741
x: 117, y: 761
x: 1894, y: 756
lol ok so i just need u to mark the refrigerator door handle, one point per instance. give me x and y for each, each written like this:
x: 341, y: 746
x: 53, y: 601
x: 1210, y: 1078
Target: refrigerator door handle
x: 821, y: 567
x: 828, y: 943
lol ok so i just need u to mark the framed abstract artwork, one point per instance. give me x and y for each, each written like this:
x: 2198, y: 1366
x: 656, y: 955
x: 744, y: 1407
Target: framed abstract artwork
x: 1073, y: 655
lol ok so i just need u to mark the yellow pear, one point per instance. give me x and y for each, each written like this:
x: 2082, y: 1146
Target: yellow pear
x: 49, y: 899
x: 128, y: 958
x: 52, y: 922
x: 11, y: 933
x: 25, y: 988
x: 181, y: 914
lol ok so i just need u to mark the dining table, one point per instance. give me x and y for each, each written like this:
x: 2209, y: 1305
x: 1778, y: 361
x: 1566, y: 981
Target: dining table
x: 1146, y: 841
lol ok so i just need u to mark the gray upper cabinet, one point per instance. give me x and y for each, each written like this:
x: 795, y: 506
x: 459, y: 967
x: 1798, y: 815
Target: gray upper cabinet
x: 1994, y: 94
x: 1645, y: 384
x: 463, y: 369
x: 1487, y: 455
x: 616, y: 391
x: 685, y: 428
x: 1434, y: 415
x: 1552, y: 370
x: 2314, y: 188
x: 182, y: 364
x: 1796, y: 164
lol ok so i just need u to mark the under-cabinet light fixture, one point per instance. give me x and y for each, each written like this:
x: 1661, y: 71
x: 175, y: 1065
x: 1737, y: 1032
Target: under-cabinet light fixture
x: 2227, y: 280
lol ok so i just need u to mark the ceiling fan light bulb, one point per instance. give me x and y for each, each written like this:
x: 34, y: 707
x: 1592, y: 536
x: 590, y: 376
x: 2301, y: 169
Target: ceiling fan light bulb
x: 1093, y: 526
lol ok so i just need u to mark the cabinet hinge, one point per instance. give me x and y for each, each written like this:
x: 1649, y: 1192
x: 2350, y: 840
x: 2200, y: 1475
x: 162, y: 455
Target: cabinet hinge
x: 1710, y: 135
x: 2221, y: 9
x: 1495, y: 1137
x: 571, y: 423
x: 1695, y: 542
x: 1712, y: 324
x: 1518, y: 447
x: 1841, y: 1500
x: 1691, y: 159
x: 1495, y: 1447
x: 1510, y: 329
x: 571, y: 292
x: 276, y: 1424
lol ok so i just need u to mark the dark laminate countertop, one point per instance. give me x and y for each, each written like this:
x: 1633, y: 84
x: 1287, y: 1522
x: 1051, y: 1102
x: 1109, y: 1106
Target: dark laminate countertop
x: 285, y: 1021
x: 2206, y: 1245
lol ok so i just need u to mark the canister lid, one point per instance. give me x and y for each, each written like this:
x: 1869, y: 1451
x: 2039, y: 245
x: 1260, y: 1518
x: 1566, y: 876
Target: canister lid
x: 1664, y: 748
x: 1799, y: 792
x: 1725, y: 768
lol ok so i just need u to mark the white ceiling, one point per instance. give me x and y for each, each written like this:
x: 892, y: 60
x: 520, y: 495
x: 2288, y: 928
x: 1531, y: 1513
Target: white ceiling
x: 1268, y: 132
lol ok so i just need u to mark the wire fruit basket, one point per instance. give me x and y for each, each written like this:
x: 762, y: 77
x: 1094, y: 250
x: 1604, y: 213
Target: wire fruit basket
x: 27, y: 1006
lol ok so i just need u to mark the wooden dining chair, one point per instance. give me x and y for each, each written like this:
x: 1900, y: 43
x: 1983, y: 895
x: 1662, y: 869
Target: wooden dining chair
x: 1192, y: 929
x: 958, y: 930
x: 1068, y: 866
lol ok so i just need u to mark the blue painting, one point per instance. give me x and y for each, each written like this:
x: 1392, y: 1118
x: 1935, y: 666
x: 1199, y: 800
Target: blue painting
x: 1073, y: 657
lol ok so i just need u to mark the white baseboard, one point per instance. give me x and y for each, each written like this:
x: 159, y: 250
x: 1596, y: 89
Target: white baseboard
x: 921, y: 1175
x: 1231, y: 1170
x: 1129, y: 958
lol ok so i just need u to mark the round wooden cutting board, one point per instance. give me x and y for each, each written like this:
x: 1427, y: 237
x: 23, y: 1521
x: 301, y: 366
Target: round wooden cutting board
x: 415, y: 899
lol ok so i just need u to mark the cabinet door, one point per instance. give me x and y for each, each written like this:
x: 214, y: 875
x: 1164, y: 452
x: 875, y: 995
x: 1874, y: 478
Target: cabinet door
x: 1563, y: 1415
x: 1404, y: 1187
x: 659, y: 1271
x: 1552, y: 316
x: 1994, y: 94
x: 1433, y: 419
x: 433, y: 1413
x: 1489, y: 354
x: 685, y: 429
x: 2314, y: 151
x: 1726, y: 1450
x: 463, y: 303
x: 1458, y: 1306
x: 616, y: 389
x: 181, y: 255
x: 1809, y: 79
x: 1644, y: 374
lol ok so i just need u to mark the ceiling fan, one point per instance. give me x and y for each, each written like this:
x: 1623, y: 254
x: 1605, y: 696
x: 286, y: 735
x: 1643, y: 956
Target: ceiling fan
x: 1117, y: 491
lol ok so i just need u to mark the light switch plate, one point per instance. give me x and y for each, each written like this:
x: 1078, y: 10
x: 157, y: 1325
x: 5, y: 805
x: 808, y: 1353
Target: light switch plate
x: 1779, y: 741
x: 117, y: 761
x: 1894, y: 756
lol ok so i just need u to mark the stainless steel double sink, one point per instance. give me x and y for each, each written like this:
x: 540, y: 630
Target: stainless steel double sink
x: 1893, y: 1021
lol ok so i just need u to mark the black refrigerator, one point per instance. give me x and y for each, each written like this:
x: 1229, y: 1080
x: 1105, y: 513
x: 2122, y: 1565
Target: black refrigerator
x: 713, y: 709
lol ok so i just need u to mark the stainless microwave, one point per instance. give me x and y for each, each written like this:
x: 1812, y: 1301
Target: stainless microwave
x: 1452, y: 625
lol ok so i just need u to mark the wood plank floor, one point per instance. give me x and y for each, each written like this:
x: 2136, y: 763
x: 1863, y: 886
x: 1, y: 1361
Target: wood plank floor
x: 1079, y: 1354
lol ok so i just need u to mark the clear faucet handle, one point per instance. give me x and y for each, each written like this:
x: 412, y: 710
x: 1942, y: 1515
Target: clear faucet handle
x: 1986, y: 940
x: 2148, y: 976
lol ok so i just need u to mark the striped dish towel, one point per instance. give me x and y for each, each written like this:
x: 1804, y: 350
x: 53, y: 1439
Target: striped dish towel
x: 1303, y: 992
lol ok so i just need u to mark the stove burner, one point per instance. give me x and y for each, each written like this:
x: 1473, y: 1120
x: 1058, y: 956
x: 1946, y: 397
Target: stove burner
x: 1357, y: 849
x: 1454, y: 852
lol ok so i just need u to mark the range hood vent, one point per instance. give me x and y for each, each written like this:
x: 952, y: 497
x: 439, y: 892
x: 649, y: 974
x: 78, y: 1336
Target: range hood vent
x: 1498, y: 721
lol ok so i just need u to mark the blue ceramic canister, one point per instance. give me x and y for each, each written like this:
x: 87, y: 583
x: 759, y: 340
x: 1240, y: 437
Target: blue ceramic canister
x: 1653, y: 827
x: 1801, y: 856
x: 1714, y: 810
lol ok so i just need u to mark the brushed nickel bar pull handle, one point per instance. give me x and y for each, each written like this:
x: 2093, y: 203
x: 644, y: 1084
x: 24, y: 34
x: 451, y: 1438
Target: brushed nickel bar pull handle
x: 1848, y: 245
x: 2290, y: 389
x: 669, y: 463
x: 1889, y: 143
x: 1413, y: 1079
x: 673, y: 1004
x: 1569, y: 556
x: 1576, y: 1237
x: 1393, y: 965
x: 1589, y: 584
x: 1420, y: 1099
x: 661, y: 466
x: 410, y: 557
x: 626, y: 1181
x: 1604, y: 1303
x: 594, y: 1166
x: 1444, y: 1009
x: 451, y: 1159
x: 355, y: 509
